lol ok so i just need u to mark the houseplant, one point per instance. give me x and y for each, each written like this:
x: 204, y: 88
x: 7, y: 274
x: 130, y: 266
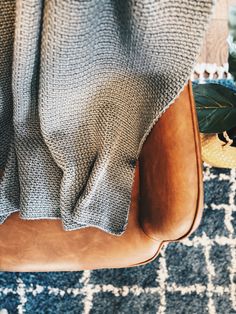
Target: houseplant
x: 216, y: 110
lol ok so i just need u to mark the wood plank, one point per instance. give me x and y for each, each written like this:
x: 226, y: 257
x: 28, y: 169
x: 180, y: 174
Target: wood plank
x: 231, y: 2
x: 221, y: 10
x: 215, y: 47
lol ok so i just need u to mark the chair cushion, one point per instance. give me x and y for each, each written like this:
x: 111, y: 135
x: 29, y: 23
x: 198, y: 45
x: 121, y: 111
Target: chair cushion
x: 155, y: 217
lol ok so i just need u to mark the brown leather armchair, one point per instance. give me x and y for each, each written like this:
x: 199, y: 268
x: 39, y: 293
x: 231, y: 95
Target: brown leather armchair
x: 166, y: 205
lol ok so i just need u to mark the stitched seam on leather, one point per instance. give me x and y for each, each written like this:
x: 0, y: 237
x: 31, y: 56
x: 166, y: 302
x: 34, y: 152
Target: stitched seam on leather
x: 152, y: 258
x: 199, y: 169
x: 150, y: 237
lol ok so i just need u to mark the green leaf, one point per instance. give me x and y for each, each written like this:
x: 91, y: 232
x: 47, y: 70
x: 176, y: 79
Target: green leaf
x: 216, y: 107
x: 232, y: 65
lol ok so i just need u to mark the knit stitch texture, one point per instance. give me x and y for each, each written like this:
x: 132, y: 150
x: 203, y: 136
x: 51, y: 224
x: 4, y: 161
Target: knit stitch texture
x: 82, y: 83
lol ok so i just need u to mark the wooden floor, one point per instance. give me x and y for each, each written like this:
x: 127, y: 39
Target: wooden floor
x: 214, y: 48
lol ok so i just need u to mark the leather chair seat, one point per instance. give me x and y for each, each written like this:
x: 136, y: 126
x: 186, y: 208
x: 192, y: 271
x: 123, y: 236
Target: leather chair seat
x: 166, y: 205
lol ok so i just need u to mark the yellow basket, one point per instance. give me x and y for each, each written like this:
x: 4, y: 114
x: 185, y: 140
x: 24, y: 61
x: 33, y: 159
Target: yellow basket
x: 217, y: 153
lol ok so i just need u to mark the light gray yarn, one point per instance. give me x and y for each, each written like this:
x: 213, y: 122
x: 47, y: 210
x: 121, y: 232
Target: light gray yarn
x: 81, y: 85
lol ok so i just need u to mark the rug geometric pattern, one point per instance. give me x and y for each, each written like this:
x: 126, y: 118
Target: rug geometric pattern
x: 197, y: 275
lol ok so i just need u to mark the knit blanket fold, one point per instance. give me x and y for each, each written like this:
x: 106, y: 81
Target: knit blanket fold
x: 82, y: 83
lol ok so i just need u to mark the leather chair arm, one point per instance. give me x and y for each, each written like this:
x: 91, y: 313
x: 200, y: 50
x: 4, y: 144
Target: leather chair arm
x: 171, y: 183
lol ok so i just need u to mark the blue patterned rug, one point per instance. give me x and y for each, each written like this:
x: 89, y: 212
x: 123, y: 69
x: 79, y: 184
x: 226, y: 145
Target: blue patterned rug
x: 195, y: 276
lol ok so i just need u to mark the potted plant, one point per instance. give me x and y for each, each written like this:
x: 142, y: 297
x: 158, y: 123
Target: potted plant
x: 216, y: 109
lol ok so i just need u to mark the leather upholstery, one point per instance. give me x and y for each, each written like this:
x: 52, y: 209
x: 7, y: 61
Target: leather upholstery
x: 177, y: 169
x: 166, y: 205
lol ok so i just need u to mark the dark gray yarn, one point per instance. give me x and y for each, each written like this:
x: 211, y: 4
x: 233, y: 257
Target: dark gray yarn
x: 82, y: 84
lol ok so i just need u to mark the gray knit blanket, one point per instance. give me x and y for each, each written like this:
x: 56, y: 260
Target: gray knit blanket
x: 82, y: 83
